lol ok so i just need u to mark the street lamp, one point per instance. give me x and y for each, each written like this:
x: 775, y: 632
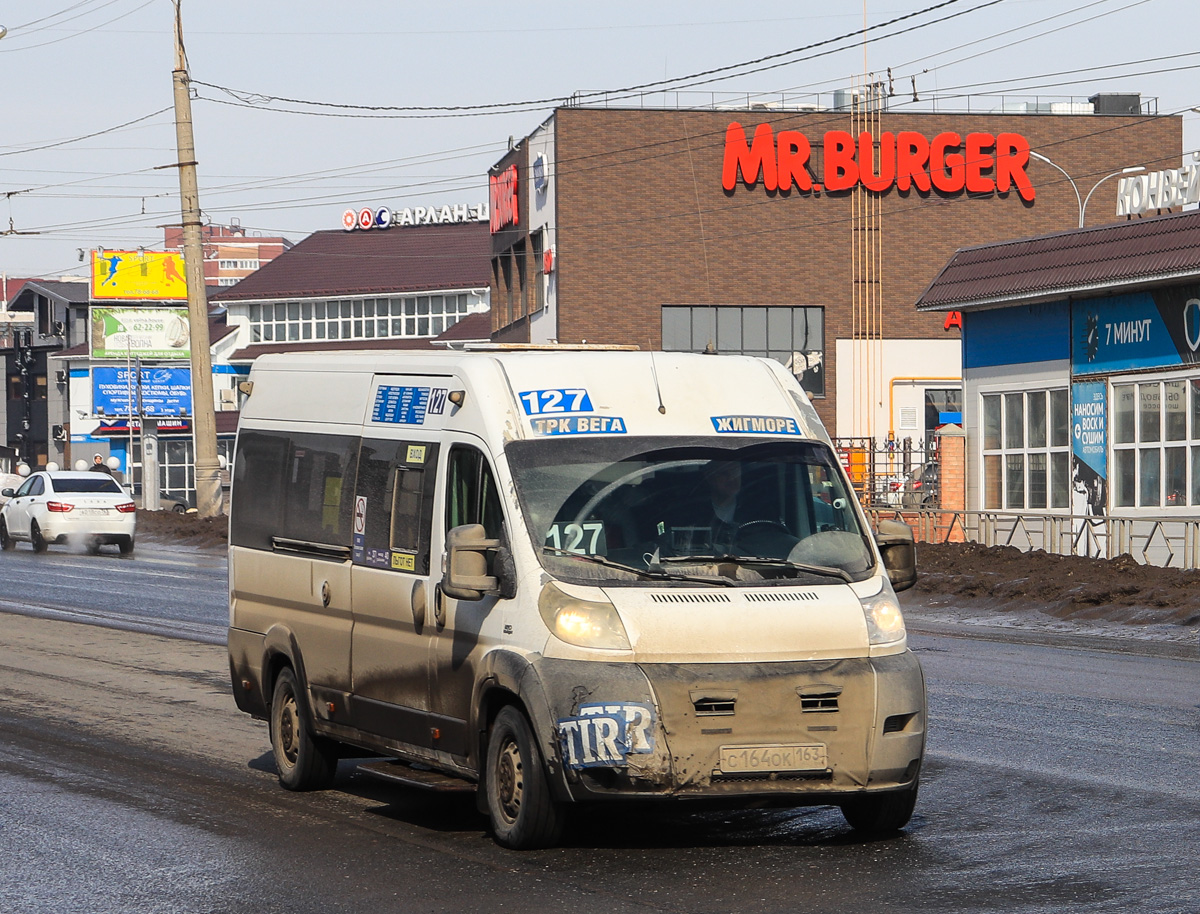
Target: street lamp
x: 1131, y: 170
x: 1074, y: 186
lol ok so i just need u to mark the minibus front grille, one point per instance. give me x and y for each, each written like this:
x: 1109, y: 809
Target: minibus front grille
x: 819, y: 703
x: 689, y: 598
x: 775, y: 597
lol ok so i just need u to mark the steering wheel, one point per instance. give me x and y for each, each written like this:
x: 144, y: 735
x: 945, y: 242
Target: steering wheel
x: 767, y: 532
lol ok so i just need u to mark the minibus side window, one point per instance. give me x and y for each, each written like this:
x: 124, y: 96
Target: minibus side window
x: 397, y: 480
x: 294, y: 486
x: 471, y: 494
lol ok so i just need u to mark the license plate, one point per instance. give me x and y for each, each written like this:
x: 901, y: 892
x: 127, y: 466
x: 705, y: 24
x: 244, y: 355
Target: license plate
x: 93, y: 512
x: 742, y: 759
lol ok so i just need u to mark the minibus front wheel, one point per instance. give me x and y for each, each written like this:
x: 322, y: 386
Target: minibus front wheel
x: 881, y: 814
x: 522, y: 812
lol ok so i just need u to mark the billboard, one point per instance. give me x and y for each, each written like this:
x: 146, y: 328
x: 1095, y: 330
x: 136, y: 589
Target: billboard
x: 1089, y: 448
x: 147, y: 333
x: 164, y: 391
x: 1155, y: 329
x: 157, y: 275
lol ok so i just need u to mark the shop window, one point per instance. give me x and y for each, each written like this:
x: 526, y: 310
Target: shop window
x: 1026, y: 450
x: 1156, y: 444
x: 794, y: 337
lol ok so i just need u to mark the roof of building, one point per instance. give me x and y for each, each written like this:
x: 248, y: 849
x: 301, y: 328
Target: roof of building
x: 1107, y: 258
x: 74, y: 292
x: 408, y: 259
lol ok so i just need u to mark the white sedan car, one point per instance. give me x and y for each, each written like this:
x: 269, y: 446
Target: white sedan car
x: 90, y: 509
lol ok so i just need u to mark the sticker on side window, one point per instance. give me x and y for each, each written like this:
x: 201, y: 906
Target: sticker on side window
x: 604, y: 734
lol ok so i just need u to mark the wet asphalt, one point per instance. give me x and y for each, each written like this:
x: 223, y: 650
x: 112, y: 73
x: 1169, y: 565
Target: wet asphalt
x: 1057, y: 779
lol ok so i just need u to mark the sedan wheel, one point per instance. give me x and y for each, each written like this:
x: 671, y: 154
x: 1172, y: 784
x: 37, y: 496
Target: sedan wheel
x: 35, y: 536
x: 7, y: 543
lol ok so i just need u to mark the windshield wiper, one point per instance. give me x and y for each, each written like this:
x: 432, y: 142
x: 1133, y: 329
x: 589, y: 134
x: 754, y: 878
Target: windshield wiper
x: 652, y: 574
x: 825, y: 571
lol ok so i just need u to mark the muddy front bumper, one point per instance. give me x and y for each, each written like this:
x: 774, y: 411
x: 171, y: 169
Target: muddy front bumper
x: 798, y: 732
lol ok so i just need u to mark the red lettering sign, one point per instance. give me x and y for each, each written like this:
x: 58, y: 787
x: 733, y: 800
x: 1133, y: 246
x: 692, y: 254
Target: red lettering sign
x: 979, y: 163
x: 953, y: 319
x: 504, y: 198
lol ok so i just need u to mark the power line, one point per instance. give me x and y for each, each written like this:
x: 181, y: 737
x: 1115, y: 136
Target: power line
x: 250, y: 99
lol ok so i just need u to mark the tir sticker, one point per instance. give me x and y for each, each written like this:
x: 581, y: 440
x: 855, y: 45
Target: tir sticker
x: 602, y: 735
x: 562, y: 400
x: 756, y: 425
x: 579, y: 425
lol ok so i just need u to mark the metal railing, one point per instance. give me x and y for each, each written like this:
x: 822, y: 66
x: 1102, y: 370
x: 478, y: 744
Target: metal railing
x: 1170, y: 542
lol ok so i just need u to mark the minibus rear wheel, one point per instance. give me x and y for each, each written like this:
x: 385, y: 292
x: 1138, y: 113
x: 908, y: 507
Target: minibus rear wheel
x: 304, y: 761
x: 881, y: 814
x: 523, y: 814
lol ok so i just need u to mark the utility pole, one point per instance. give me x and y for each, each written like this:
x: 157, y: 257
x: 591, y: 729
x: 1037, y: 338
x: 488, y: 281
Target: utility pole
x: 204, y: 420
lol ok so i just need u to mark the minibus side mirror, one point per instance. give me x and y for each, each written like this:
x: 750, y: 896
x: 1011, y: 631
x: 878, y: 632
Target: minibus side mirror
x: 899, y: 552
x: 466, y: 576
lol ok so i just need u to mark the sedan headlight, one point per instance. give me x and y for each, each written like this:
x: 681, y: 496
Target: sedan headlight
x: 582, y: 622
x: 885, y: 622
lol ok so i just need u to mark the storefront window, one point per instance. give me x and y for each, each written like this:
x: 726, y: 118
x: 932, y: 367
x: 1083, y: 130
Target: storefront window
x: 1155, y: 425
x: 1027, y: 456
x: 794, y: 337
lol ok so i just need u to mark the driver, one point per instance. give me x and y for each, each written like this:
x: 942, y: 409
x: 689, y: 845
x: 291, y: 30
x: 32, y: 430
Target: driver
x: 724, y: 481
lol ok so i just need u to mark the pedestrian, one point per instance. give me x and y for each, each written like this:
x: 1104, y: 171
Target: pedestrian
x: 99, y: 466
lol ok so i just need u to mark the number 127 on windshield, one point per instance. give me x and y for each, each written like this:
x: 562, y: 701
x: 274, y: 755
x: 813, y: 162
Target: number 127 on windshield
x: 561, y: 400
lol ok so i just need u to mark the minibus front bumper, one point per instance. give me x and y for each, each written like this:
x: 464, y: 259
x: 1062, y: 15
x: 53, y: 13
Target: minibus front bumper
x: 797, y: 732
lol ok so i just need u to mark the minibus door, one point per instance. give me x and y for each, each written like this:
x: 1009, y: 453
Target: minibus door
x: 461, y: 626
x: 392, y: 588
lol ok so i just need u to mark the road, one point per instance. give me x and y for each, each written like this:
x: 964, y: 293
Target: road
x: 1057, y: 780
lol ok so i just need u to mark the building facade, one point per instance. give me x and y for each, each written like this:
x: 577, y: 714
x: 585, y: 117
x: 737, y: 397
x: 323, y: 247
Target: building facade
x: 1081, y: 364
x: 230, y: 252
x: 802, y: 235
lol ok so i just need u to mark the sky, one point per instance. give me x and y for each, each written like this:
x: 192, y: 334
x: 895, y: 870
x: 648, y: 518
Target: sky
x: 303, y: 109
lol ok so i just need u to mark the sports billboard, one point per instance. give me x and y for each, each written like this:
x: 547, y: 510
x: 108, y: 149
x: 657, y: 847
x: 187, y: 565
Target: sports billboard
x: 125, y: 275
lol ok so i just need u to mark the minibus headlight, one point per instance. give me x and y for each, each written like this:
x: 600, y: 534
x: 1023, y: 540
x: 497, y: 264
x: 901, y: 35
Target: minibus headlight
x: 885, y: 622
x: 582, y: 622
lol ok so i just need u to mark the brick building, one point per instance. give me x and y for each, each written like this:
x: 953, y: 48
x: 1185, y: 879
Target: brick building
x: 681, y: 229
x: 230, y: 254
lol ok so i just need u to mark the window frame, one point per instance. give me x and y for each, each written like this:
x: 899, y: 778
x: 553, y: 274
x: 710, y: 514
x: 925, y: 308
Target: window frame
x: 1011, y: 466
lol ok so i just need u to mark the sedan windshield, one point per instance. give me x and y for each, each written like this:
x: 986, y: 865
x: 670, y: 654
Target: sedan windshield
x: 626, y: 509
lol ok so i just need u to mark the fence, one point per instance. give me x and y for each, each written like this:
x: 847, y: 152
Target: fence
x: 1171, y: 542
x: 897, y: 473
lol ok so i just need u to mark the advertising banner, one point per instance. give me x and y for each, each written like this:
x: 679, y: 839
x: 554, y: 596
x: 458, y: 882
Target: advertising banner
x: 1156, y: 329
x: 164, y: 391
x: 146, y: 333
x: 157, y: 275
x: 1089, y: 448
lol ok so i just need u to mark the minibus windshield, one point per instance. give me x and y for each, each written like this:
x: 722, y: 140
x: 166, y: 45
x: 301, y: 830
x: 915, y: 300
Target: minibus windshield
x: 636, y: 508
